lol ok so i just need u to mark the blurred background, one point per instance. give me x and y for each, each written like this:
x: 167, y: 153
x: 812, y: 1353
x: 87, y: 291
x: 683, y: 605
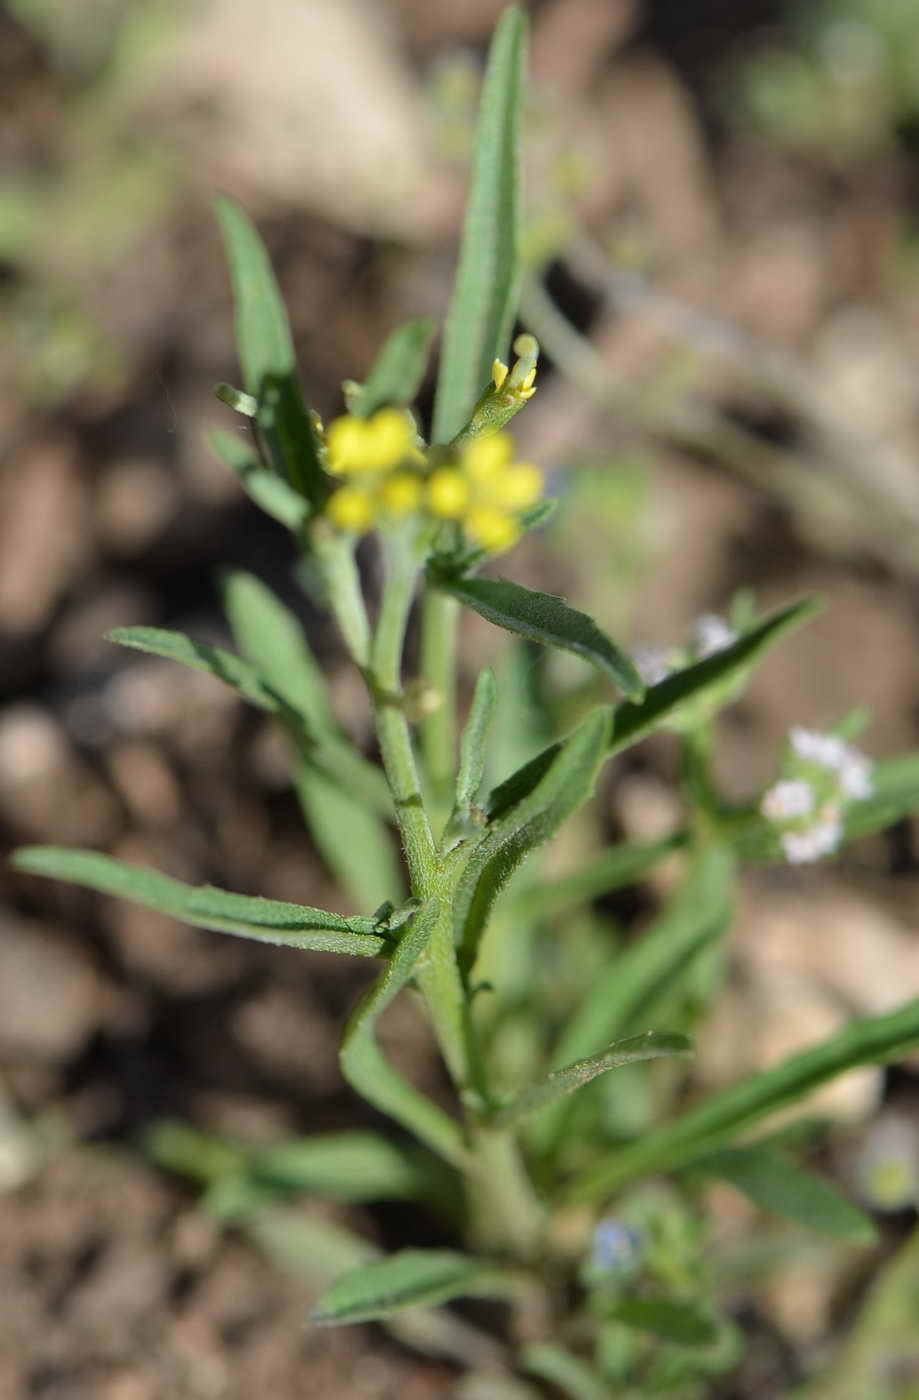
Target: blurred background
x: 723, y: 246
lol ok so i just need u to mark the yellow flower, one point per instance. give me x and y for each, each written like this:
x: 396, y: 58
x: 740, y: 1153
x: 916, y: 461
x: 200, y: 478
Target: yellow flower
x: 400, y: 493
x: 374, y: 444
x: 448, y: 494
x: 484, y: 490
x: 352, y: 508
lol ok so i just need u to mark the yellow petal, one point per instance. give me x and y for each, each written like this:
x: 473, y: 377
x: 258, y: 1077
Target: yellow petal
x: 389, y: 438
x: 491, y: 528
x: 351, y: 508
x: 498, y: 373
x: 516, y: 488
x: 346, y: 444
x: 448, y: 494
x: 485, y: 456
x: 400, y: 493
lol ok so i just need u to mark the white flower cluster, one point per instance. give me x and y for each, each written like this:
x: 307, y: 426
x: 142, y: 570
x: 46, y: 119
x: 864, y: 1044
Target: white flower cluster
x: 710, y: 633
x: 824, y: 773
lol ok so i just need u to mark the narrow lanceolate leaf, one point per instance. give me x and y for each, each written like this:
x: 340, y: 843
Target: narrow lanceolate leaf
x: 216, y: 661
x: 342, y: 795
x: 398, y: 370
x: 203, y: 906
x: 683, y: 1323
x: 632, y: 721
x: 354, y: 1166
x: 653, y: 1045
x: 363, y: 1063
x: 410, y: 1279
x: 869, y: 1040
x: 484, y: 301
x: 547, y: 619
x: 565, y: 785
x: 474, y: 737
x: 639, y: 984
x: 774, y: 1182
x: 270, y: 493
x: 266, y: 354
x: 334, y: 756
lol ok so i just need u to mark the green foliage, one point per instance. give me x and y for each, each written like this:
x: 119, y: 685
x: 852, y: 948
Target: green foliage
x: 266, y: 920
x: 775, y: 1183
x: 396, y: 374
x: 270, y: 636
x: 363, y: 1063
x: 409, y: 1279
x: 565, y: 784
x: 543, y: 618
x: 269, y: 492
x: 567, y: 1080
x: 868, y: 1040
x: 266, y: 354
x: 472, y: 760
x: 484, y: 302
x: 675, y: 1322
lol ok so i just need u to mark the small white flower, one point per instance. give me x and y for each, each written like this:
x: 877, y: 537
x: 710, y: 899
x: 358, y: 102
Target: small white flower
x: 788, y: 799
x: 652, y: 664
x: 711, y: 633
x: 856, y: 776
x: 815, y: 747
x: 801, y: 847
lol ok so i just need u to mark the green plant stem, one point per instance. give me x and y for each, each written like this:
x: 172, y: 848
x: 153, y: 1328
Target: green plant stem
x: 437, y: 973
x: 439, y: 619
x: 385, y: 680
x: 507, y: 1216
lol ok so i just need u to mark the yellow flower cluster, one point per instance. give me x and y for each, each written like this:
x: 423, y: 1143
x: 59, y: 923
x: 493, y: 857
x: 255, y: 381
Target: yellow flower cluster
x: 484, y: 490
x: 480, y: 486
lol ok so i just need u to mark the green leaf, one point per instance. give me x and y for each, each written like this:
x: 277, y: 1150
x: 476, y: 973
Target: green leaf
x: 638, y: 984
x: 683, y: 1323
x: 475, y: 734
x: 398, y: 370
x: 336, y: 758
x: 333, y: 780
x: 235, y: 398
x: 353, y: 1166
x: 269, y: 492
x: 632, y: 721
x: 565, y: 785
x: 486, y: 290
x: 546, y: 619
x: 266, y: 355
x: 203, y: 906
x: 652, y: 1045
x: 410, y: 1279
x: 775, y: 1183
x: 869, y: 1040
x: 895, y: 795
x: 216, y: 661
x: 562, y: 1369
x: 363, y: 1063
